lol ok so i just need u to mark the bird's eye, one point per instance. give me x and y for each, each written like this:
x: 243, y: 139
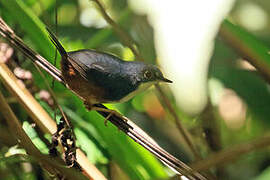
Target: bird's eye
x: 148, y: 74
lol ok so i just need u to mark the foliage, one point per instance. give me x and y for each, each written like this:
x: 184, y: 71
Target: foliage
x: 106, y: 146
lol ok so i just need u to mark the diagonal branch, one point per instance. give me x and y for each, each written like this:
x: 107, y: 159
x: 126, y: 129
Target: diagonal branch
x: 127, y: 40
x: 178, y: 124
x: 40, y: 116
x: 227, y: 156
x: 45, y: 161
x: 14, y: 40
x: 247, y: 46
x: 128, y: 128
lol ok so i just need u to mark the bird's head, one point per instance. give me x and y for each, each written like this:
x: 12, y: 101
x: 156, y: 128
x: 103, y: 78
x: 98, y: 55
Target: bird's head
x: 151, y: 73
x: 142, y: 77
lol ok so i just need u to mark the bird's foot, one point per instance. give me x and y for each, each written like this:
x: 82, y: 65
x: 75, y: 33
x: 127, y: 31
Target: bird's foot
x: 88, y: 106
x: 111, y: 113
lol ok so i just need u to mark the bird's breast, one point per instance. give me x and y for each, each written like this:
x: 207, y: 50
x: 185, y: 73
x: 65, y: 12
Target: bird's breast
x: 142, y: 87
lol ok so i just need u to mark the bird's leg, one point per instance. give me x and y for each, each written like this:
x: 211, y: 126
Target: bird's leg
x: 88, y: 105
x: 111, y: 113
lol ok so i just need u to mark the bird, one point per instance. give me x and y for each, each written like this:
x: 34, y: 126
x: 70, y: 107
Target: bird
x: 99, y: 77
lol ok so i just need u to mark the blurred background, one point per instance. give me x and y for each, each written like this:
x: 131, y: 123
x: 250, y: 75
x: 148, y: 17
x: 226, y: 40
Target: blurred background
x: 219, y: 97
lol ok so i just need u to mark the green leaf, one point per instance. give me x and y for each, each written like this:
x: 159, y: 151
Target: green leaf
x: 30, y: 131
x: 248, y: 46
x: 131, y: 157
x: 32, y: 25
x: 265, y: 175
x: 89, y: 147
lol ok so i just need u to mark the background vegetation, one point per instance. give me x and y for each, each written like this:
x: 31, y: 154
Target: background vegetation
x: 236, y: 119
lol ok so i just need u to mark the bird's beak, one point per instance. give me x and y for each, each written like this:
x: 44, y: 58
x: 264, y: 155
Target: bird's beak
x: 166, y: 80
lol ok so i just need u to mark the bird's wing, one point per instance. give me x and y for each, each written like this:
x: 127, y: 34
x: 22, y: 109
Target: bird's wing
x: 96, y: 69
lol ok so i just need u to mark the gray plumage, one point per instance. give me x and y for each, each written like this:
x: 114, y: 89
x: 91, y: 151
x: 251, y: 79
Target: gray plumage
x: 105, y: 75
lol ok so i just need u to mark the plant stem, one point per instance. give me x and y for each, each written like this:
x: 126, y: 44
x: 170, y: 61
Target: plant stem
x: 16, y: 128
x: 128, y: 41
x: 226, y: 156
x: 247, y: 46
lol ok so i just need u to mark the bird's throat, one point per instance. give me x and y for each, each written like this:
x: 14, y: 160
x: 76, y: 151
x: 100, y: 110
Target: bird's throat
x: 142, y: 87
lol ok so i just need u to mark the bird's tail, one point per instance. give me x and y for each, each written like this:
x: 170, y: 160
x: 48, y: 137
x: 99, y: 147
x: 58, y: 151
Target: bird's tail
x: 56, y: 43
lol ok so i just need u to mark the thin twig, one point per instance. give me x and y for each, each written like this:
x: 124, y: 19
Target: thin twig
x: 247, y: 46
x: 14, y: 40
x: 128, y: 41
x: 211, y: 132
x: 132, y: 131
x: 40, y: 116
x: 5, y: 137
x: 27, y: 144
x: 56, y: 53
x: 178, y: 124
x: 233, y: 153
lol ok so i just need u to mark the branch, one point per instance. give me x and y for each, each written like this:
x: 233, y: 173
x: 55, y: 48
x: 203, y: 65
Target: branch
x: 40, y: 116
x: 247, y: 46
x: 127, y: 40
x: 14, y: 40
x: 178, y: 124
x: 46, y: 162
x: 127, y: 127
x: 5, y: 137
x: 233, y: 153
